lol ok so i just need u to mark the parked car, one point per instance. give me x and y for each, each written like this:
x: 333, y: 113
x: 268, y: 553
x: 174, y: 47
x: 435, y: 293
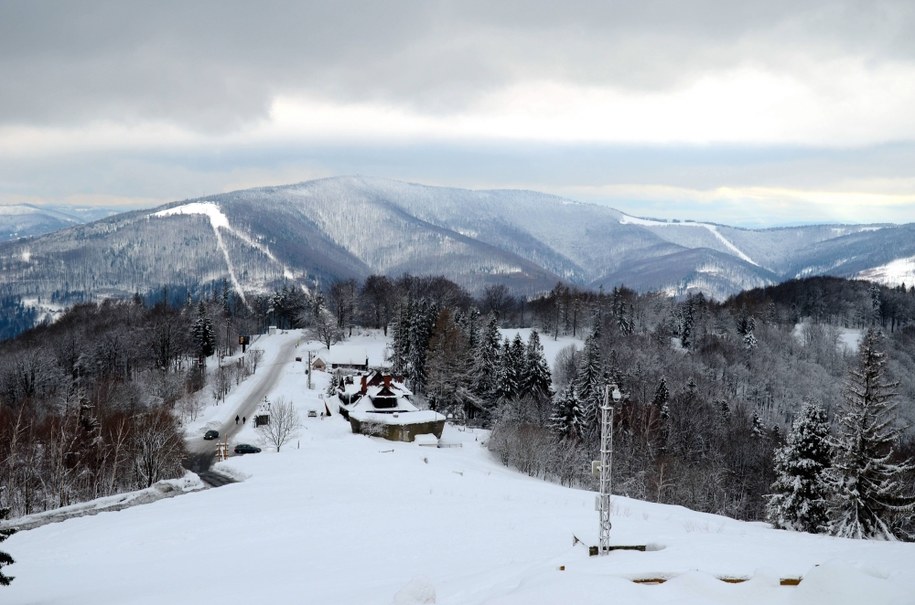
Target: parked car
x: 245, y: 448
x: 211, y: 434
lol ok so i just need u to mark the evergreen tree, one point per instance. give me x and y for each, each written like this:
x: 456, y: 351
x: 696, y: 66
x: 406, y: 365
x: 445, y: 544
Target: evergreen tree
x: 485, y: 366
x: 469, y: 323
x: 686, y: 319
x: 801, y: 489
x: 661, y: 395
x: 622, y: 312
x: 400, y: 338
x: 746, y: 327
x: 876, y: 304
x: 516, y: 367
x: 507, y: 381
x: 5, y: 559
x: 590, y: 381
x: 536, y: 379
x: 868, y: 495
x: 203, y: 333
x: 567, y: 420
x: 421, y: 325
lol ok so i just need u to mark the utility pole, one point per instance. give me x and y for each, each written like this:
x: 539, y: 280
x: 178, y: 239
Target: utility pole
x: 308, y: 370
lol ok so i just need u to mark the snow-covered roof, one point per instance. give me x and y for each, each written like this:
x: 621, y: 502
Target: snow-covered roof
x: 345, y: 356
x: 373, y: 390
x: 363, y: 414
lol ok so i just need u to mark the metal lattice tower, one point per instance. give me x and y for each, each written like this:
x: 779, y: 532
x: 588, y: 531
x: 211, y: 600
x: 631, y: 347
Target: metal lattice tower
x: 606, y: 465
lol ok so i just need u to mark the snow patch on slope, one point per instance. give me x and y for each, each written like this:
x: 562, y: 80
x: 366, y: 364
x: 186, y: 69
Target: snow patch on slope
x: 713, y: 229
x: 899, y: 271
x: 218, y: 220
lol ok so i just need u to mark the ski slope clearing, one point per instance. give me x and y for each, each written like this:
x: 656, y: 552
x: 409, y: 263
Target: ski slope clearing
x: 341, y: 519
x: 218, y: 220
x: 713, y: 229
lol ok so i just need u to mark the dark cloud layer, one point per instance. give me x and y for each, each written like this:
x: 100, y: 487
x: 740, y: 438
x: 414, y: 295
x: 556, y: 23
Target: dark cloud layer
x: 214, y: 65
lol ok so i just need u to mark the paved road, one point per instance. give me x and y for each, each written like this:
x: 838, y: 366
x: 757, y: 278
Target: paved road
x: 201, y: 453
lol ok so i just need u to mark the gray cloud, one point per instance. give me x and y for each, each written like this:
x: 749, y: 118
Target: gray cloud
x: 94, y: 82
x: 214, y: 65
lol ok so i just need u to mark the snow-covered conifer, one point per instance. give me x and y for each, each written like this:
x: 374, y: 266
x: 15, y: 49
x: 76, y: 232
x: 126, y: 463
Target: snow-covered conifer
x: 685, y: 321
x: 661, y: 395
x: 421, y: 324
x: 800, y: 491
x: 590, y: 381
x: 507, y: 381
x: 400, y: 337
x: 485, y: 366
x: 203, y: 333
x: 869, y: 495
x: 536, y: 378
x: 567, y: 420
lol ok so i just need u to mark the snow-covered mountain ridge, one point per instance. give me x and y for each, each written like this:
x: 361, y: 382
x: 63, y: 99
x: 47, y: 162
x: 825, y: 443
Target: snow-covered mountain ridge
x: 342, y: 227
x: 27, y: 220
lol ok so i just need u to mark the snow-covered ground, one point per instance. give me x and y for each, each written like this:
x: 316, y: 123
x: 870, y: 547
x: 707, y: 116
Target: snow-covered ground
x: 847, y: 339
x: 339, y: 518
x: 894, y: 273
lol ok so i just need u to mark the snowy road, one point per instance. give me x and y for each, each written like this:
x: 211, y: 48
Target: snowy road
x: 200, y: 452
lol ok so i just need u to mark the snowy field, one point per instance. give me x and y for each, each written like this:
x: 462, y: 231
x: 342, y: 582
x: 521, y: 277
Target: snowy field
x: 847, y: 339
x: 337, y: 518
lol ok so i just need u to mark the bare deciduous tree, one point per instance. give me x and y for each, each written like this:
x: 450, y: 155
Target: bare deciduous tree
x: 284, y: 423
x: 158, y: 447
x: 325, y: 329
x: 255, y: 355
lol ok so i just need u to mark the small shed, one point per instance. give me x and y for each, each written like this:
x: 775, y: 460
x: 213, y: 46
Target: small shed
x: 318, y: 363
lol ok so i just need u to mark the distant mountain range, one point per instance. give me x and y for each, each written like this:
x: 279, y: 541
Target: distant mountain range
x: 322, y: 230
x: 19, y: 221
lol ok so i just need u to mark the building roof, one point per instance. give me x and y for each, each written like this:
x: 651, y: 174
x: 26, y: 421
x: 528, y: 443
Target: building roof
x: 345, y: 357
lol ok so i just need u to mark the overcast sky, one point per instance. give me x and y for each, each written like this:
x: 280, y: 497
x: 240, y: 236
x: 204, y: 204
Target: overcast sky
x: 742, y: 112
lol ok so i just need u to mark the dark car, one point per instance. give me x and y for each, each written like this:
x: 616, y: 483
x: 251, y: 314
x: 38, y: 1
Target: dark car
x: 244, y: 448
x: 211, y: 434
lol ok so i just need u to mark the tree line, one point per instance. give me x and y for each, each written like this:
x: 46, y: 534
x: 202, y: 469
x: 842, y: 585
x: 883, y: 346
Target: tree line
x: 845, y: 477
x: 92, y: 404
x: 710, y: 390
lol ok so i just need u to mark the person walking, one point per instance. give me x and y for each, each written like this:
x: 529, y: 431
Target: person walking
x: 244, y: 419
x: 236, y: 419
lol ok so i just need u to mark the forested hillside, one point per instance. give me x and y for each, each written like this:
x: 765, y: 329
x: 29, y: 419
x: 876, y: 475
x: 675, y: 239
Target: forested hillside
x: 314, y: 233
x: 711, y: 391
